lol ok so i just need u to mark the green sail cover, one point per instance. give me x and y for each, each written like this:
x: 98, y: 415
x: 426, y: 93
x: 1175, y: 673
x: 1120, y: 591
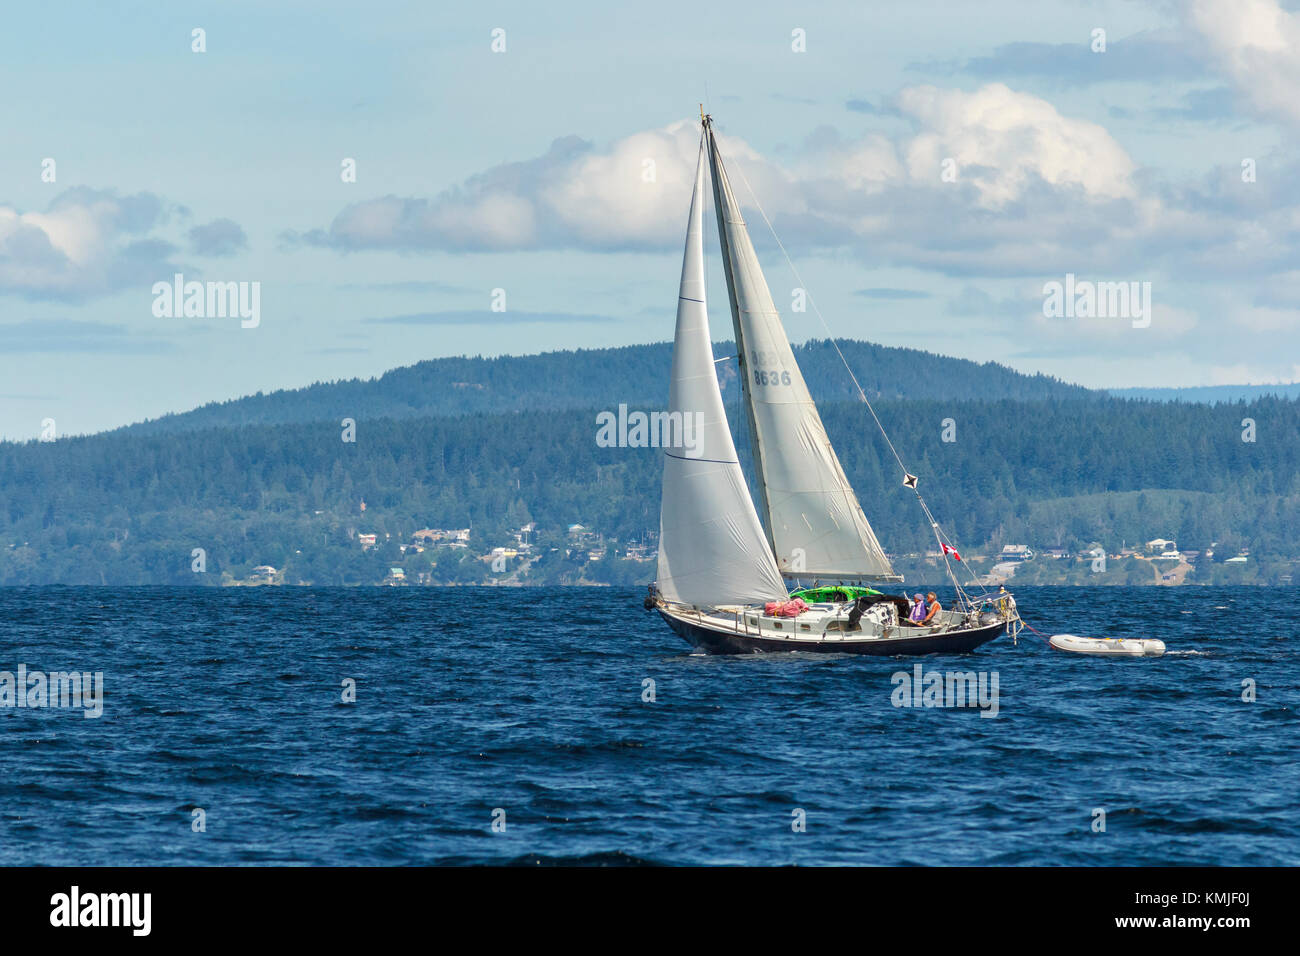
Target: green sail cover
x: 832, y: 594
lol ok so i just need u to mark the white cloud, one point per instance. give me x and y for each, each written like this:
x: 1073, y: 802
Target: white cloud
x: 1038, y: 194
x: 628, y: 196
x: 1008, y: 137
x: 87, y: 242
x: 624, y: 195
x: 1256, y: 44
x: 868, y: 165
x: 632, y: 194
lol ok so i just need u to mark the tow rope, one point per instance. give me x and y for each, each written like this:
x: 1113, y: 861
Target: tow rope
x: 1036, y: 631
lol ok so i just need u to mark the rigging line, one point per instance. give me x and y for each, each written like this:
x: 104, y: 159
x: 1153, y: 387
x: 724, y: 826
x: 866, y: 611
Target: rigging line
x: 934, y: 525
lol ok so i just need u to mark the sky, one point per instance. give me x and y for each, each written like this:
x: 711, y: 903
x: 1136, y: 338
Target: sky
x: 523, y: 172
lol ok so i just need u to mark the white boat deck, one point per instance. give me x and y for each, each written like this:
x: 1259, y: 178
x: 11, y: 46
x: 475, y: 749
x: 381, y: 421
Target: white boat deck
x: 820, y: 623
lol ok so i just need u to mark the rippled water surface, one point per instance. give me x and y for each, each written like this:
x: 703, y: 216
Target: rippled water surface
x: 470, y: 700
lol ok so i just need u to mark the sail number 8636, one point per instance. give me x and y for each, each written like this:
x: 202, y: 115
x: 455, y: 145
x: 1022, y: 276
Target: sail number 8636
x: 775, y: 376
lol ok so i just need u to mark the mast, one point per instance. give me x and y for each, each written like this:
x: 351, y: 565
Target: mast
x: 742, y: 368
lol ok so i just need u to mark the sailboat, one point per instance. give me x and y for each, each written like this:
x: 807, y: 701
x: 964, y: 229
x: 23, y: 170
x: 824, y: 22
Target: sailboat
x: 722, y: 573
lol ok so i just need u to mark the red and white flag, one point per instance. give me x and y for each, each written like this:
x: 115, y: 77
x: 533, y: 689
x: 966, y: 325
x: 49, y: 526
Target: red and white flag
x: 948, y: 549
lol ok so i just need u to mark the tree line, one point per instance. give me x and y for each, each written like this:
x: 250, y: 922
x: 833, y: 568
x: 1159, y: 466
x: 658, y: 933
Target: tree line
x: 130, y: 507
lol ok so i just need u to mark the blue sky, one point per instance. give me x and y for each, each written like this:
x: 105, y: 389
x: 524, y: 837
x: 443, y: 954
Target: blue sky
x: 525, y: 171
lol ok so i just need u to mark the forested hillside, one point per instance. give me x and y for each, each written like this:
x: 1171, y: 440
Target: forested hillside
x: 130, y: 507
x: 604, y: 378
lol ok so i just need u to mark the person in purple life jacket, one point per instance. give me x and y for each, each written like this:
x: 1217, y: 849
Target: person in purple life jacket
x: 917, y: 614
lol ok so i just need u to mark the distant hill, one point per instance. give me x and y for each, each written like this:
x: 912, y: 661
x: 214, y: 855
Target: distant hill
x: 1209, y: 394
x: 130, y: 508
x: 603, y: 378
x: 497, y: 444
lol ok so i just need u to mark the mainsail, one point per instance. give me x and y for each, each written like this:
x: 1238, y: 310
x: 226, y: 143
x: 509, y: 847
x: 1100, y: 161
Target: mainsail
x: 711, y: 546
x: 815, y: 525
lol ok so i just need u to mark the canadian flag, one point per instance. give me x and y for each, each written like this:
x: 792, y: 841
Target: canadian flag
x: 948, y: 549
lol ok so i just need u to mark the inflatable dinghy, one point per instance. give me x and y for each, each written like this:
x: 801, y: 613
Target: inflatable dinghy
x: 1108, y: 646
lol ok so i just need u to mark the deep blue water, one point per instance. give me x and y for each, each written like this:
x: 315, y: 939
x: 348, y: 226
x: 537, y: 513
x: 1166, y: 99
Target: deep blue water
x: 472, y: 699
